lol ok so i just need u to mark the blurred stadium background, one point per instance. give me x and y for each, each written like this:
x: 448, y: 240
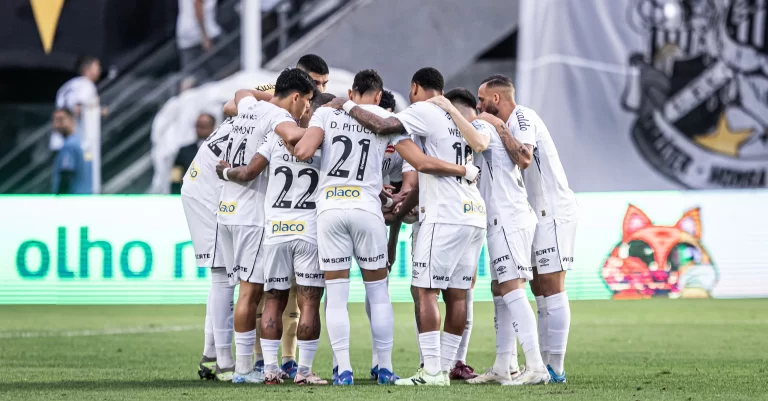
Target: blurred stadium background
x: 659, y: 109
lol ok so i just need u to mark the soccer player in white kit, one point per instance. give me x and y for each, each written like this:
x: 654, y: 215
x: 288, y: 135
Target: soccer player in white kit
x: 555, y: 206
x: 241, y: 207
x: 350, y: 222
x: 511, y: 227
x: 452, y: 229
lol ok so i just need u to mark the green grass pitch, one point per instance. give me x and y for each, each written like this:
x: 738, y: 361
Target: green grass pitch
x: 618, y: 350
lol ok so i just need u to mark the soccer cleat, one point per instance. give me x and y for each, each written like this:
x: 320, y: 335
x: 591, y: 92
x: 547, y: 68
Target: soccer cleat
x: 252, y: 377
x: 422, y: 378
x: 384, y: 376
x: 345, y: 378
x: 530, y: 377
x: 375, y: 373
x: 289, y: 369
x: 492, y: 377
x: 206, y: 368
x: 311, y: 379
x: 554, y: 377
x: 259, y: 366
x: 273, y: 378
x: 462, y: 371
x: 223, y: 375
x: 335, y: 374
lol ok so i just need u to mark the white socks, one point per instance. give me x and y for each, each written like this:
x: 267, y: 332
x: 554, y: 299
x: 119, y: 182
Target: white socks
x: 382, y: 321
x: 222, y: 316
x: 244, y: 343
x: 429, y: 344
x: 374, y: 353
x: 269, y: 348
x: 449, y: 347
x: 541, y: 307
x: 559, y: 321
x: 506, y: 341
x: 337, y: 321
x: 461, y: 355
x: 524, y: 324
x: 418, y: 344
x: 307, y: 349
x: 209, y: 348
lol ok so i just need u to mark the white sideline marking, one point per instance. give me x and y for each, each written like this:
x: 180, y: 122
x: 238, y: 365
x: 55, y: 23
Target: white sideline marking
x: 96, y: 332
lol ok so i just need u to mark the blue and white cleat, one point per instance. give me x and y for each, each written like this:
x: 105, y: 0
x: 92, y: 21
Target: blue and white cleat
x: 385, y: 377
x: 375, y: 373
x: 289, y: 369
x: 335, y: 374
x: 554, y: 377
x: 252, y: 377
x: 344, y: 379
x: 259, y: 366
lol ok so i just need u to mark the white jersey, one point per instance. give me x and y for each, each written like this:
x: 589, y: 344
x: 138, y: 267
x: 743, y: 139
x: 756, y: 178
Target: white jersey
x: 449, y: 200
x: 392, y: 166
x: 291, y: 201
x: 201, y: 182
x: 243, y: 204
x: 501, y: 184
x: 351, y: 163
x: 548, y: 189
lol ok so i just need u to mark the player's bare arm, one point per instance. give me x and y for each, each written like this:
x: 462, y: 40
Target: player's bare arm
x: 477, y: 141
x: 372, y: 122
x: 230, y: 108
x: 520, y: 154
x: 290, y: 133
x: 408, y: 204
x: 243, y: 173
x: 427, y: 164
x: 309, y: 143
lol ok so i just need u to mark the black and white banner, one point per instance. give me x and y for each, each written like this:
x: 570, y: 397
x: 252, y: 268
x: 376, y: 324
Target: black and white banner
x: 650, y: 94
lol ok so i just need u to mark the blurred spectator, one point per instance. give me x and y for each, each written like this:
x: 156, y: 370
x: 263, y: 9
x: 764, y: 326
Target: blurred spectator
x: 196, y: 33
x: 75, y: 93
x: 71, y: 173
x: 204, y: 128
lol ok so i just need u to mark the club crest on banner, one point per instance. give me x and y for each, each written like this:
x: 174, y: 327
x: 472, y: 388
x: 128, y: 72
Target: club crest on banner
x: 699, y: 90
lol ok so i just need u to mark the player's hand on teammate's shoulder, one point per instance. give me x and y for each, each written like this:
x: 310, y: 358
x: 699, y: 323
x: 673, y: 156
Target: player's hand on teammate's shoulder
x: 220, y: 168
x: 441, y: 102
x: 336, y: 103
x: 490, y: 118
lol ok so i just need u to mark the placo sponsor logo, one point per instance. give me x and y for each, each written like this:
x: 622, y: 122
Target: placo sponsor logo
x: 288, y: 227
x: 227, y: 207
x: 193, y: 171
x: 342, y: 193
x: 471, y: 207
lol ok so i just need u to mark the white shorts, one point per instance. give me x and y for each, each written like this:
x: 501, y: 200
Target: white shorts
x: 553, y: 246
x: 343, y: 233
x: 201, y: 221
x: 510, y: 254
x: 240, y: 247
x: 296, y: 258
x: 446, y: 256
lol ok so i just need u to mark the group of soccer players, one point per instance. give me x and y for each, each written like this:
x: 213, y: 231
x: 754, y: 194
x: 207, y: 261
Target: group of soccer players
x: 296, y: 183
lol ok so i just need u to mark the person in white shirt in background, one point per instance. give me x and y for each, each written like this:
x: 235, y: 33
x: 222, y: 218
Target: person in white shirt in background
x: 511, y: 228
x: 76, y: 93
x: 196, y: 34
x: 555, y: 206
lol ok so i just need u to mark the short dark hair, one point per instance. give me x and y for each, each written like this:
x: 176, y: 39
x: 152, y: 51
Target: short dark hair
x: 429, y: 78
x: 498, y: 80
x: 313, y: 63
x: 320, y: 99
x: 210, y: 117
x: 64, y: 110
x: 366, y: 81
x: 387, y: 100
x: 293, y: 80
x: 84, y: 62
x: 462, y: 96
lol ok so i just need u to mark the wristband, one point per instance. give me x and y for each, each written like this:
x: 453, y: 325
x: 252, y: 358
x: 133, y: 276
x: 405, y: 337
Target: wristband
x: 348, y: 105
x: 224, y: 174
x: 389, y: 202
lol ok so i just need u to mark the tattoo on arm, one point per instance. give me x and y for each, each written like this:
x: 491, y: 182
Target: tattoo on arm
x: 515, y: 149
x: 380, y: 126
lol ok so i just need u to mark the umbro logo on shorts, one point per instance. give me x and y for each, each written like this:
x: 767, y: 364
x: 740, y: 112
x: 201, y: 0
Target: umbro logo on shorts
x: 501, y: 269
